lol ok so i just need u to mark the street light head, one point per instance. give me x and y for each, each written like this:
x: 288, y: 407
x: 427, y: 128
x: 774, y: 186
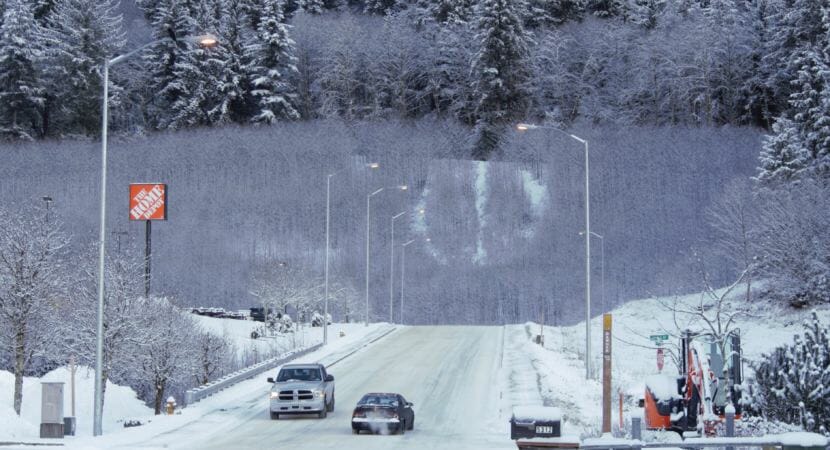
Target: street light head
x: 525, y: 126
x: 403, y: 187
x: 46, y: 199
x: 422, y: 211
x: 428, y: 239
x: 373, y: 165
x: 207, y: 41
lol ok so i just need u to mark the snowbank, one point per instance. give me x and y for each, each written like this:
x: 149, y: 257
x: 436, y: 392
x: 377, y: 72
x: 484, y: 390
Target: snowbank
x: 539, y: 413
x: 120, y: 403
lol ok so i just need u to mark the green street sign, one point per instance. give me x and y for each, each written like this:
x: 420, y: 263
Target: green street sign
x: 659, y: 338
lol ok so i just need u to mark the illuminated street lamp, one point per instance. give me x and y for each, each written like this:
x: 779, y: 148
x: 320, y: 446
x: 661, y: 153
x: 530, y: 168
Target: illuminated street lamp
x: 206, y: 41
x: 373, y: 165
x: 392, y: 266
x: 369, y: 237
x: 527, y: 127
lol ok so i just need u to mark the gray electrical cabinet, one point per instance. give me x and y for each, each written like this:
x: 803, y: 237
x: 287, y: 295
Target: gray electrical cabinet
x: 51, y: 415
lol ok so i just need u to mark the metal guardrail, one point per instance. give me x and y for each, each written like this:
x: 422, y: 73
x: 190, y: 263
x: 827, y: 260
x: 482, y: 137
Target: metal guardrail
x: 194, y: 395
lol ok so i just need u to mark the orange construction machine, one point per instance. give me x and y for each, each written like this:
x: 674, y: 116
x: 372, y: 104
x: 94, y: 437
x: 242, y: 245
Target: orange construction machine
x: 697, y: 398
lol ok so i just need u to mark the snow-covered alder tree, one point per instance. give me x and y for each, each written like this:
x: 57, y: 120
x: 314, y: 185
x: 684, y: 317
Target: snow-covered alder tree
x: 31, y: 282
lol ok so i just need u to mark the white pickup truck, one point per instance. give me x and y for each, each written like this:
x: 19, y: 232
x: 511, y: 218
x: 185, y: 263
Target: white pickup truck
x: 302, y: 389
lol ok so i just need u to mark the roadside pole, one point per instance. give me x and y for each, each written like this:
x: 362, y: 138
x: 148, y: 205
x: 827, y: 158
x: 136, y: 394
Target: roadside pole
x: 606, y: 373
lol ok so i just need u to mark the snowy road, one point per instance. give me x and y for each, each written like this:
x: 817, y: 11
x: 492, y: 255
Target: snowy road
x: 451, y: 374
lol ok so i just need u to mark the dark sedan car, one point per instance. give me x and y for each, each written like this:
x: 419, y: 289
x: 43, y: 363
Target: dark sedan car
x: 383, y: 413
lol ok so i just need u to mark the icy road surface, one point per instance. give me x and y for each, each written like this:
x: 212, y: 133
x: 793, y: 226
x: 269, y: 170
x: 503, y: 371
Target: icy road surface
x: 451, y: 374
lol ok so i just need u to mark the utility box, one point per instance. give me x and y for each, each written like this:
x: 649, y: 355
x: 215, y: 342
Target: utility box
x: 530, y: 422
x: 51, y: 410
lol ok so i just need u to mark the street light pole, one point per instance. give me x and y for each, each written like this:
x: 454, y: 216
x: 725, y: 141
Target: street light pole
x: 403, y: 271
x: 392, y: 268
x: 602, y: 262
x: 98, y: 407
x: 525, y: 127
x: 368, y: 237
x: 326, y: 299
x: 328, y: 221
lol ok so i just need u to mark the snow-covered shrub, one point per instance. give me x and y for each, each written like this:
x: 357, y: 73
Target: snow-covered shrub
x: 317, y: 319
x: 792, y: 384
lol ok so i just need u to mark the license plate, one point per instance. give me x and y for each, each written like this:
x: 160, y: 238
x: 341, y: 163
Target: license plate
x: 544, y: 429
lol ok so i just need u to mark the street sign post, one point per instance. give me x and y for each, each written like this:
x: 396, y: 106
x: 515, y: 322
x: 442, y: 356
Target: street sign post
x: 660, y: 359
x: 148, y: 202
x: 606, y: 373
x: 659, y: 338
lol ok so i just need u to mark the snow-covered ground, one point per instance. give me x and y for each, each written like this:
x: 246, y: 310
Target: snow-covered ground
x: 464, y: 381
x: 560, y: 367
x: 121, y: 402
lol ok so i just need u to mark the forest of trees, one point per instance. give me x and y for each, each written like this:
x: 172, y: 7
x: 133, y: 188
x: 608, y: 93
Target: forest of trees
x: 485, y: 64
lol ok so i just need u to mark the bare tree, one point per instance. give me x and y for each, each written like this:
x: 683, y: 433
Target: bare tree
x: 732, y: 218
x: 122, y: 332
x: 215, y: 356
x: 166, y: 354
x: 30, y: 281
x: 278, y: 285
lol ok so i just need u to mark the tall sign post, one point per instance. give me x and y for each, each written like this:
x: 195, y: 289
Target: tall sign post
x: 658, y: 340
x: 148, y: 202
x: 606, y: 373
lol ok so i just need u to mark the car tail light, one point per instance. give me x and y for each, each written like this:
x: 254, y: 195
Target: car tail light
x: 358, y: 414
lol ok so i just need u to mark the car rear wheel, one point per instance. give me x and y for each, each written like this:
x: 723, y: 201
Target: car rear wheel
x: 412, y: 424
x: 275, y: 416
x: 355, y: 431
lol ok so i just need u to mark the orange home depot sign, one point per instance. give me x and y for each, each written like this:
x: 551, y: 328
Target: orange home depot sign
x: 148, y: 201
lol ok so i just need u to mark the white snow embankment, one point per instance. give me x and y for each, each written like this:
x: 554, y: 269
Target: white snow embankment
x: 120, y: 403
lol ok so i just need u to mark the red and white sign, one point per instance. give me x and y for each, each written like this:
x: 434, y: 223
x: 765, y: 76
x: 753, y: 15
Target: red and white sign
x: 148, y: 201
x: 660, y: 359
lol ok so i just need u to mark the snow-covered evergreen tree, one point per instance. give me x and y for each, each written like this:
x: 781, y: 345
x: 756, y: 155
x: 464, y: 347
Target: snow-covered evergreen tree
x: 234, y: 83
x: 206, y: 81
x: 21, y: 91
x: 313, y: 6
x: 446, y: 11
x: 271, y: 64
x: 797, y: 27
x: 794, y: 380
x: 553, y: 12
x: 607, y: 8
x: 800, y: 144
x: 81, y: 34
x: 382, y: 7
x: 501, y: 73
